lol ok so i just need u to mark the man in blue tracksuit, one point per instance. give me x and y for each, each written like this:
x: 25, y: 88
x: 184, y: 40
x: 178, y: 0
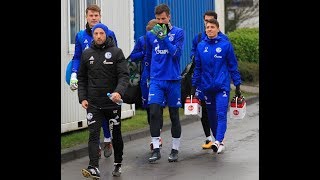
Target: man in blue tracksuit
x: 83, y: 40
x: 204, y: 119
x: 215, y: 63
x: 136, y: 55
x: 164, y: 46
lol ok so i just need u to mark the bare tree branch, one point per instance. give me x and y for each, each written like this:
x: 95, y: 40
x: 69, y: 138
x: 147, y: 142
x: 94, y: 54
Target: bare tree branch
x: 242, y: 11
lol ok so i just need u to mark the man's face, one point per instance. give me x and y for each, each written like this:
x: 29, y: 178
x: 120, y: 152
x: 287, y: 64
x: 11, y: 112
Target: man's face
x: 93, y: 17
x: 206, y: 18
x: 163, y: 18
x: 99, y: 36
x: 211, y: 30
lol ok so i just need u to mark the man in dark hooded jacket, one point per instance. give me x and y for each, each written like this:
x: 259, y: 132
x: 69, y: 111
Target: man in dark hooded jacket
x: 103, y: 69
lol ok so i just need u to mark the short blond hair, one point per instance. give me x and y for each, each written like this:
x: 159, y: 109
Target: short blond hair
x: 93, y: 7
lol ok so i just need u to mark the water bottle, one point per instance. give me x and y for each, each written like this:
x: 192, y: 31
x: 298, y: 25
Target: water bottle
x: 120, y: 101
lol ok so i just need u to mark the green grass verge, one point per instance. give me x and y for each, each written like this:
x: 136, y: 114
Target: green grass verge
x: 139, y: 121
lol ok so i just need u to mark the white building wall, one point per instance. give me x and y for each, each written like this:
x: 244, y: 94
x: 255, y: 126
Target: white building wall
x: 118, y: 16
x: 219, y: 9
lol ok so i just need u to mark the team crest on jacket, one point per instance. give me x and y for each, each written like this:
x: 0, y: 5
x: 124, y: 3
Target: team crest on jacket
x: 89, y: 116
x: 218, y: 49
x: 171, y: 36
x: 108, y: 55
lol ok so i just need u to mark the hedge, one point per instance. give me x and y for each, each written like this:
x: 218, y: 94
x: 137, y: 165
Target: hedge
x: 245, y: 42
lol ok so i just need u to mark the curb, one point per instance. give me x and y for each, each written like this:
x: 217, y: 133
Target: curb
x: 80, y: 151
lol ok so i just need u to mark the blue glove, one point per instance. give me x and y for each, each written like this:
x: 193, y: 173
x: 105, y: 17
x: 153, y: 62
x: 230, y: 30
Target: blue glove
x: 160, y: 31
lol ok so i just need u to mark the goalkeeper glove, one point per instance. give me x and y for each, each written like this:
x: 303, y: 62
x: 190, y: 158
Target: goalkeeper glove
x: 160, y: 31
x: 73, y: 82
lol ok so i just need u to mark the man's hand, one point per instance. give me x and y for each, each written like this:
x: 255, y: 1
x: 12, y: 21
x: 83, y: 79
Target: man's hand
x: 84, y: 104
x: 160, y: 31
x: 193, y: 91
x: 238, y: 91
x: 73, y: 82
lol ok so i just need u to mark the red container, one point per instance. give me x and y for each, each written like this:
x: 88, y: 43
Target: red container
x: 193, y: 100
x: 237, y: 108
x: 240, y: 102
x: 192, y: 106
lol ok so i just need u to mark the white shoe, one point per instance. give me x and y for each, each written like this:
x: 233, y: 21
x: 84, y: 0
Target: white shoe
x: 221, y: 148
x: 215, y: 146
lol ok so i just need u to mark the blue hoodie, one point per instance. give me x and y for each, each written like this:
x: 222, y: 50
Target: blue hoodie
x: 83, y: 40
x: 215, y: 64
x: 137, y: 54
x: 203, y: 36
x: 164, y: 55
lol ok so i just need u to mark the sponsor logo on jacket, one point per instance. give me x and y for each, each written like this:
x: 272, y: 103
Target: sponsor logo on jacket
x: 160, y: 51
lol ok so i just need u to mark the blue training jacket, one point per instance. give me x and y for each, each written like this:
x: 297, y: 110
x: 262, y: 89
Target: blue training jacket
x: 165, y: 54
x: 203, y: 36
x: 215, y: 64
x: 137, y: 54
x: 83, y: 40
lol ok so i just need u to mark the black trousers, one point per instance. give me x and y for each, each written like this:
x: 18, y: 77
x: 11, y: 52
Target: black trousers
x: 204, y: 119
x: 95, y: 116
x: 161, y: 116
x: 155, y: 118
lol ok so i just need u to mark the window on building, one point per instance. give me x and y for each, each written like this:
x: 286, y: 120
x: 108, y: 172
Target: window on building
x: 77, y: 18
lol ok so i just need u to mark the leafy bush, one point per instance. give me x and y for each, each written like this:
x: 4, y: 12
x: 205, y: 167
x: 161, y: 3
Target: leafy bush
x: 249, y: 72
x: 245, y: 42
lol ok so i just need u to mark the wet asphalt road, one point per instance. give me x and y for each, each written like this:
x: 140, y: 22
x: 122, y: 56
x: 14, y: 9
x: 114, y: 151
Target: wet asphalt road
x: 240, y: 161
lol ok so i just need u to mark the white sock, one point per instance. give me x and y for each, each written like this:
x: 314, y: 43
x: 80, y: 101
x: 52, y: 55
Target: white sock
x: 155, y: 142
x: 175, y: 143
x: 107, y: 139
x: 209, y: 138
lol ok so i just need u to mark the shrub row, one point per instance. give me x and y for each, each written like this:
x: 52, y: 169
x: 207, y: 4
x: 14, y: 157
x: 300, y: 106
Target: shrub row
x: 249, y: 72
x: 245, y: 42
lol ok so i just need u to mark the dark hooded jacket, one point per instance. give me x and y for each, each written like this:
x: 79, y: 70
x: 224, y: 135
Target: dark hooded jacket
x: 103, y: 69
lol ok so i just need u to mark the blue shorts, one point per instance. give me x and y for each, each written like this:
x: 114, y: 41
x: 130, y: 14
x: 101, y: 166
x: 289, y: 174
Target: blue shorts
x: 165, y: 92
